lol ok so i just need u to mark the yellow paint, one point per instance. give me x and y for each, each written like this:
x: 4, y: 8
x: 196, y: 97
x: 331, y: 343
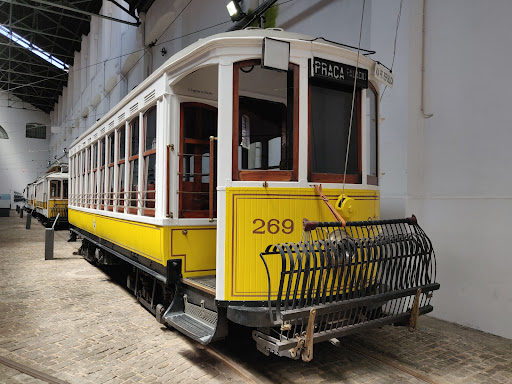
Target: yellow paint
x: 56, y: 203
x: 195, y: 247
x: 252, y: 214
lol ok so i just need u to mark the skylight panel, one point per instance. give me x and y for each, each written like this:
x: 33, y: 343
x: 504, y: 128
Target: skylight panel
x: 33, y: 48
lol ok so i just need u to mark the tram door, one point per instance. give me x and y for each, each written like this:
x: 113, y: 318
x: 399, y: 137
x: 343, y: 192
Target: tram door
x: 198, y: 124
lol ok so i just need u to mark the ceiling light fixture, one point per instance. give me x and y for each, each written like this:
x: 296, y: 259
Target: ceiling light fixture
x: 235, y: 11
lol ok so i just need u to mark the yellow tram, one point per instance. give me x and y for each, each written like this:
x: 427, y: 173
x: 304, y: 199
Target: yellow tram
x: 198, y: 183
x: 47, y: 197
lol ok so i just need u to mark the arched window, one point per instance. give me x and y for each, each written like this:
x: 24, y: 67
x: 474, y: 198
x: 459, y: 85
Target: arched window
x: 3, y: 134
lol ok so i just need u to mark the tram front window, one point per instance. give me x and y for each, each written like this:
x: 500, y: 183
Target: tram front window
x: 267, y: 126
x: 330, y: 124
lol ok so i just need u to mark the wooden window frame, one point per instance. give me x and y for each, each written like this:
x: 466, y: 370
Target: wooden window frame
x: 333, y: 177
x: 133, y: 210
x: 83, y: 199
x: 264, y: 175
x: 59, y: 188
x: 120, y: 202
x: 198, y: 214
x: 94, y: 165
x: 374, y: 180
x: 101, y: 164
x: 145, y: 154
x: 110, y: 165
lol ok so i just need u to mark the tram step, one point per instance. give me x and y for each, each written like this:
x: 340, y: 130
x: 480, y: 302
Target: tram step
x: 193, y: 312
x: 192, y: 327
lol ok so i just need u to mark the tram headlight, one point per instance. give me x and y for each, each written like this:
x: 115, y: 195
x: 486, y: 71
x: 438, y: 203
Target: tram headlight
x: 337, y: 235
x: 344, y: 243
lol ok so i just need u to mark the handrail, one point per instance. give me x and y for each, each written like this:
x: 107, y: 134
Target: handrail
x: 211, y: 182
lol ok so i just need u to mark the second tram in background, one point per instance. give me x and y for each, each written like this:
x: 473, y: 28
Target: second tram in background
x: 197, y: 183
x: 47, y: 197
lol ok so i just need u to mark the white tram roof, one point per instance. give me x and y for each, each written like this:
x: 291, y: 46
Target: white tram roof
x: 57, y: 176
x: 228, y: 39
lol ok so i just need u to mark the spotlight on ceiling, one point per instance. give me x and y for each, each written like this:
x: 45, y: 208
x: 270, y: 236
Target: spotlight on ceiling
x: 235, y: 11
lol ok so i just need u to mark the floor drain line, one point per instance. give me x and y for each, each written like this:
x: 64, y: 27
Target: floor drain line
x: 31, y: 372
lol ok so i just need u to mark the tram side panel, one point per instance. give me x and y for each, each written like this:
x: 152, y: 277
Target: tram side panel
x: 259, y: 217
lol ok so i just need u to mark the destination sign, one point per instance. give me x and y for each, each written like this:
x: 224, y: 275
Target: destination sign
x: 383, y: 75
x: 338, y: 72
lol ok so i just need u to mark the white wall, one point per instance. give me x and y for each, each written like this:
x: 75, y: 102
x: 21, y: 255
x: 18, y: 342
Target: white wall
x: 22, y: 159
x: 450, y: 169
x: 467, y: 192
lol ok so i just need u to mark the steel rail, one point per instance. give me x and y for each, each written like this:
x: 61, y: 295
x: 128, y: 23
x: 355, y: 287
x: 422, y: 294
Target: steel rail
x: 30, y: 371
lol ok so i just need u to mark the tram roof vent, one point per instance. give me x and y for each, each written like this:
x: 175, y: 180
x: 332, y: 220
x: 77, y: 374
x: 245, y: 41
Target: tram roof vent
x: 134, y: 108
x: 150, y: 96
x: 111, y: 124
x: 120, y: 118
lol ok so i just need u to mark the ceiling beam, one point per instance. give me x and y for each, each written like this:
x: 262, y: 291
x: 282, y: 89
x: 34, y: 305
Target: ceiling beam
x: 22, y: 85
x: 35, y: 74
x: 17, y: 46
x: 38, y: 7
x: 39, y: 32
x: 73, y: 9
x: 29, y: 63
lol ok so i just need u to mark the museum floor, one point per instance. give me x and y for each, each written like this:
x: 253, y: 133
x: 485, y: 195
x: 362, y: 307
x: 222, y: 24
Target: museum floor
x: 66, y: 321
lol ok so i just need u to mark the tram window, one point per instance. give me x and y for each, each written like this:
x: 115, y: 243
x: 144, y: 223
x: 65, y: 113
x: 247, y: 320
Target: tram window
x: 134, y: 137
x: 134, y: 182
x: 101, y: 177
x: 261, y: 128
x: 55, y: 189
x: 330, y: 109
x: 122, y: 143
x: 133, y: 170
x: 120, y: 168
x: 110, y: 201
x: 111, y: 142
x: 150, y: 117
x: 371, y: 136
x: 266, y: 133
x: 82, y: 178
x: 198, y: 123
x: 102, y: 152
x: 94, y: 156
x: 149, y: 158
x: 120, y: 186
x: 101, y: 188
x: 149, y: 182
x: 64, y: 189
x: 88, y: 162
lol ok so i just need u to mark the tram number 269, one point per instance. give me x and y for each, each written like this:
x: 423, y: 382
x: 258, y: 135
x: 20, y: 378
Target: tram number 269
x: 273, y: 226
